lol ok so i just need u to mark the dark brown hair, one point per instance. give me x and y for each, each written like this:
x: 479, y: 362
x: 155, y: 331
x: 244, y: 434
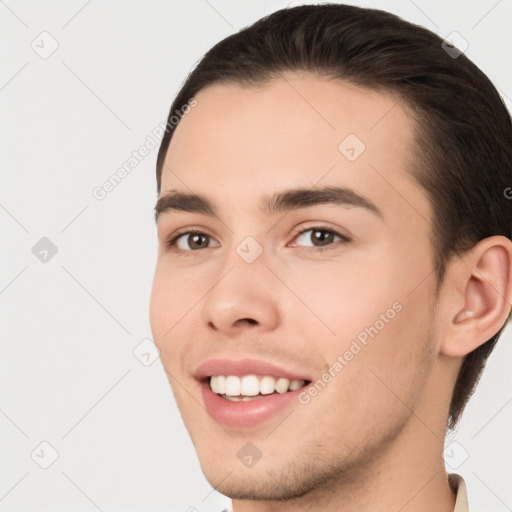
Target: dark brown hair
x: 463, y: 135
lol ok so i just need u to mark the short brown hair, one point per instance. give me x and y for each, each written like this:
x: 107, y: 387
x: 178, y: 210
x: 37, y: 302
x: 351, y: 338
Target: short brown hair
x: 463, y: 135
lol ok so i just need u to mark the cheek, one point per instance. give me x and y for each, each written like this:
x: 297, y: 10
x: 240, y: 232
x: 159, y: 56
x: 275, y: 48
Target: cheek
x: 169, y: 303
x: 173, y: 293
x: 158, y: 304
x: 338, y: 299
x: 372, y: 311
x: 166, y: 313
x: 373, y: 370
x: 175, y: 305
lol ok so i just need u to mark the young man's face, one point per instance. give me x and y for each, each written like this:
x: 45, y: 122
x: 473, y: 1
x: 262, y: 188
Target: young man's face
x: 362, y: 302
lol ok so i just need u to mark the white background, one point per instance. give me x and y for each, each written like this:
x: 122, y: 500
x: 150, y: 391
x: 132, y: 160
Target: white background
x: 69, y: 326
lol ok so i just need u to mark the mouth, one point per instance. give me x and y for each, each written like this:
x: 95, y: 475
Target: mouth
x: 247, y: 392
x: 252, y: 387
x: 250, y: 400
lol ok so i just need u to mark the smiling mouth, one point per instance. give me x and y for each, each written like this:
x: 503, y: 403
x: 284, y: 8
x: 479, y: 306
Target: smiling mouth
x: 251, y: 387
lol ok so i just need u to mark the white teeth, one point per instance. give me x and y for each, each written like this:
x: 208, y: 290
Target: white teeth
x: 296, y: 384
x: 232, y: 385
x: 251, y: 385
x: 267, y: 385
x: 242, y: 398
x: 221, y: 382
x: 282, y: 385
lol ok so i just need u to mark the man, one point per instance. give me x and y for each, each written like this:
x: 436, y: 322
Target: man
x: 334, y: 261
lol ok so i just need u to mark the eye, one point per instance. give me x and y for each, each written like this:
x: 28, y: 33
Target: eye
x: 322, y: 236
x: 193, y: 239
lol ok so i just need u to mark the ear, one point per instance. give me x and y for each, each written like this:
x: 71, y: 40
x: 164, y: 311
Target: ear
x: 477, y: 296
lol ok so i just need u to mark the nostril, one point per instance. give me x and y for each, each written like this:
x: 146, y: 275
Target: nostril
x: 249, y: 320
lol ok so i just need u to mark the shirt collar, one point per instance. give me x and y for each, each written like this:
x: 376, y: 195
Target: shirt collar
x: 459, y: 488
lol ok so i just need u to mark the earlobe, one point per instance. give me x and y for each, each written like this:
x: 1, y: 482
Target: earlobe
x: 480, y: 296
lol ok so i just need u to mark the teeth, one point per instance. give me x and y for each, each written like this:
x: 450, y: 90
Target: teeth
x: 252, y: 385
x: 218, y: 383
x: 296, y: 384
x: 242, y: 398
x: 282, y: 385
x: 232, y: 385
x: 267, y: 385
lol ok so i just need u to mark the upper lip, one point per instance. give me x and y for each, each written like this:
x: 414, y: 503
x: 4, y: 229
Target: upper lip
x: 241, y: 367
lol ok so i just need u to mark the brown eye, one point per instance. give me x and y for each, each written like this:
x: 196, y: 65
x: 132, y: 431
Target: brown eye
x: 197, y: 241
x: 320, y: 238
x: 189, y: 241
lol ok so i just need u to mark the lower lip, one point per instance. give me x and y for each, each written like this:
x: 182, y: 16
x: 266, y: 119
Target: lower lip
x: 245, y: 414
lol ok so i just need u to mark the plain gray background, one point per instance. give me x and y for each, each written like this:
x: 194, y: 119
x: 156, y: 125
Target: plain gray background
x: 72, y: 320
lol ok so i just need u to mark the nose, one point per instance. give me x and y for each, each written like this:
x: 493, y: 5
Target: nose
x: 243, y: 298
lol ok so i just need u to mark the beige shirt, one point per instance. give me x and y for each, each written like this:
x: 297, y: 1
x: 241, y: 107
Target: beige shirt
x: 456, y: 483
x: 459, y: 488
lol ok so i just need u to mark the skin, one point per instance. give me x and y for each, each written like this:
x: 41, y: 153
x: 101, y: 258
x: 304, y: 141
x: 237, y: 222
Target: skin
x: 372, y: 439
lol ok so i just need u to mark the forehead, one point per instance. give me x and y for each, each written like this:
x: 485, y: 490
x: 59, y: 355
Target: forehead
x: 239, y: 143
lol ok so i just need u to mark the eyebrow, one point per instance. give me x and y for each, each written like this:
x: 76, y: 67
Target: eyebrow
x: 292, y: 199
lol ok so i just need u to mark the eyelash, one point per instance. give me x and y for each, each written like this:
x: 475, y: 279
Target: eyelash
x: 171, y: 242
